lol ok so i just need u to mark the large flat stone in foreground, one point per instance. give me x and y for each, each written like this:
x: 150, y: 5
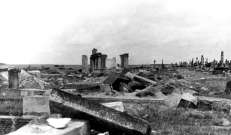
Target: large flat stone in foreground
x: 73, y: 128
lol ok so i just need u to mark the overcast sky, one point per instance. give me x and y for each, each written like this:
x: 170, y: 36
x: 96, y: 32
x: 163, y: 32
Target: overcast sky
x: 60, y: 31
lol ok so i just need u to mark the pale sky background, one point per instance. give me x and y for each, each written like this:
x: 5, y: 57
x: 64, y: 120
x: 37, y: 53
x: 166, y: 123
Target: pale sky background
x: 60, y: 31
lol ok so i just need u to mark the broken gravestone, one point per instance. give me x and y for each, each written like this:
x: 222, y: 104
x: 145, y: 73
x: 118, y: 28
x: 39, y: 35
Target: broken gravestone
x: 188, y: 101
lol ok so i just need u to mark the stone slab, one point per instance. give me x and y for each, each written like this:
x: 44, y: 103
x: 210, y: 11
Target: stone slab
x: 101, y: 118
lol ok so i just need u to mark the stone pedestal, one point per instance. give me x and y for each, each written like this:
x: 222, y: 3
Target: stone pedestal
x: 13, y: 78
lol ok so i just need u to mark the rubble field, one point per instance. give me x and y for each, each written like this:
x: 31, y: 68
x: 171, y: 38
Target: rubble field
x: 172, y: 100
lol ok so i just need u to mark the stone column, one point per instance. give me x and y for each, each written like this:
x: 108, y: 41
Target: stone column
x: 124, y: 60
x: 91, y: 65
x: 95, y: 63
x: 84, y: 64
x: 99, y: 59
x: 103, y: 61
x: 13, y: 78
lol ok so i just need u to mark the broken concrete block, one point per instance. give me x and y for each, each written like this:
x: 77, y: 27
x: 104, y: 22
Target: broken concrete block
x: 186, y: 104
x: 189, y: 97
x: 115, y: 105
x: 137, y: 77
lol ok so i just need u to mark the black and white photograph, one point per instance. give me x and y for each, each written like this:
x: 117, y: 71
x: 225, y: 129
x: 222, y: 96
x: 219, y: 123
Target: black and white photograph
x: 115, y: 67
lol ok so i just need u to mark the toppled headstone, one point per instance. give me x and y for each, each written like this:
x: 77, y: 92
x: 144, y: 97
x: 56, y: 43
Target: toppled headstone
x: 139, y: 78
x: 188, y: 101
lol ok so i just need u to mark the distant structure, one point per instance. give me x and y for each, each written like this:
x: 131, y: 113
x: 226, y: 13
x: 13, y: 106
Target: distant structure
x: 197, y: 61
x: 84, y: 64
x: 162, y: 64
x: 222, y: 57
x: 94, y: 51
x: 13, y: 78
x: 124, y: 60
x: 154, y: 63
x: 97, y: 61
x: 215, y: 66
x: 192, y: 62
x: 206, y: 61
x: 202, y: 61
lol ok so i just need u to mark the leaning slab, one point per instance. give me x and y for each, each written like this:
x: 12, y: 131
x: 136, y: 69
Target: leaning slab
x: 100, y: 117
